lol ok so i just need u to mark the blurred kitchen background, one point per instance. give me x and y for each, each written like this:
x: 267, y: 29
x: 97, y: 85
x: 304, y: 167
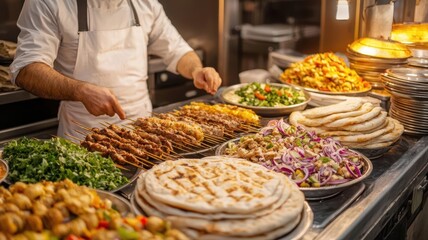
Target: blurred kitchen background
x: 229, y: 35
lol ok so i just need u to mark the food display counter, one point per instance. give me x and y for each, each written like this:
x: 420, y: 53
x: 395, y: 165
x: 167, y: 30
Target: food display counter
x: 384, y: 203
x: 388, y: 199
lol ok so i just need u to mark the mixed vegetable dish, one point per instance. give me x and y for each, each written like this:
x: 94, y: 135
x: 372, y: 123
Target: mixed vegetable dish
x: 266, y: 95
x: 309, y: 160
x: 325, y: 72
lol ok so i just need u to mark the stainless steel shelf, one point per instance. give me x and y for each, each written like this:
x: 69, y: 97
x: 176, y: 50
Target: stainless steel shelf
x: 15, y: 96
x: 38, y: 129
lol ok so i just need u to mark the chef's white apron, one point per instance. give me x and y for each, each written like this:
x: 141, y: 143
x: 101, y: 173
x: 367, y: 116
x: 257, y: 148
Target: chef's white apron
x: 116, y: 59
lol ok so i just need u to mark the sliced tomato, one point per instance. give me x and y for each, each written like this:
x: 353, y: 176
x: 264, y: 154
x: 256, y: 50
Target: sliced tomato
x: 73, y: 237
x: 259, y: 96
x: 267, y: 88
x: 103, y: 224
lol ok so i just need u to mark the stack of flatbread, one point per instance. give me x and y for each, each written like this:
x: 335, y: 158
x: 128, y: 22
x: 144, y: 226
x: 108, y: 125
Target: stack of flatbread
x: 221, y: 198
x: 355, y: 123
x: 7, y: 49
x: 5, y: 80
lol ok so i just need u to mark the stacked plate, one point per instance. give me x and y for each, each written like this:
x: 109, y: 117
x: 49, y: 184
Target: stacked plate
x: 371, y: 57
x: 420, y: 55
x: 409, y: 97
x: 223, y: 198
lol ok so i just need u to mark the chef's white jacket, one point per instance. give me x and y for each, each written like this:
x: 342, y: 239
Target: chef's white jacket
x: 49, y: 31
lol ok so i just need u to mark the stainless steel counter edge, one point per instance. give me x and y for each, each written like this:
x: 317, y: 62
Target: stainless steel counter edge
x: 363, y: 219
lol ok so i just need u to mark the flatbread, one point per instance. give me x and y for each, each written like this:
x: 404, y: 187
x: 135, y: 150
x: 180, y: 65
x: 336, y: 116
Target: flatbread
x: 366, y: 126
x: 315, y: 122
x: 382, y: 140
x: 221, y: 184
x: 286, y: 214
x: 349, y: 133
x: 345, y: 106
x: 373, y: 145
x: 355, y: 120
x: 169, y: 210
x: 273, y: 234
x: 367, y: 137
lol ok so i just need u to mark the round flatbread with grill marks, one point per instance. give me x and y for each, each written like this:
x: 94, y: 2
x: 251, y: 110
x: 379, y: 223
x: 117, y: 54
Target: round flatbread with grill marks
x: 169, y: 210
x: 220, y: 184
x: 285, y: 214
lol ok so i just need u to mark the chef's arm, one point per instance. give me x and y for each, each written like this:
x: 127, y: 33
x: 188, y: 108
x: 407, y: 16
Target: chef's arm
x: 43, y: 81
x: 207, y: 78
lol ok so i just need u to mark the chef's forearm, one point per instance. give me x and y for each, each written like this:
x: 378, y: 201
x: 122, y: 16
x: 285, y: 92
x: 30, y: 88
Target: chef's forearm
x: 43, y: 81
x: 188, y: 64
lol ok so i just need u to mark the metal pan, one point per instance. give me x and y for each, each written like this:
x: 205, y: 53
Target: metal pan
x: 321, y: 192
x: 266, y: 111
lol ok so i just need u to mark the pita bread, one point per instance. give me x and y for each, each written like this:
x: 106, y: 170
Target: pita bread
x: 371, y: 145
x: 390, y: 137
x: 286, y: 214
x: 367, y: 137
x: 345, y: 106
x: 355, y: 120
x: 168, y: 210
x: 273, y: 234
x: 220, y: 184
x: 315, y: 122
x: 366, y: 126
x: 349, y: 133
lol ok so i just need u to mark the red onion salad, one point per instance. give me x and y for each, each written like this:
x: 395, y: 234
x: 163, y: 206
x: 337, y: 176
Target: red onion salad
x: 309, y: 160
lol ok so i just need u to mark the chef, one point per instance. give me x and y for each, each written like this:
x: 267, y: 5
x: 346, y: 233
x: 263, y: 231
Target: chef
x: 92, y: 55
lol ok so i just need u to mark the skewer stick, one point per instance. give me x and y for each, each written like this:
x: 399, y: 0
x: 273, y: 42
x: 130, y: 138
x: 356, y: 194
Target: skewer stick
x: 205, y: 145
x: 210, y: 138
x: 229, y: 135
x: 105, y: 124
x: 80, y: 132
x: 144, y: 161
x: 133, y: 164
x: 156, y: 157
x: 73, y: 137
x: 183, y: 149
x: 82, y: 126
x: 210, y: 141
x: 121, y: 167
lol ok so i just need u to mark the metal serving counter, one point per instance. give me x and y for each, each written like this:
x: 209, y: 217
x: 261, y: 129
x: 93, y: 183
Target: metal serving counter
x: 387, y: 198
x: 391, y: 195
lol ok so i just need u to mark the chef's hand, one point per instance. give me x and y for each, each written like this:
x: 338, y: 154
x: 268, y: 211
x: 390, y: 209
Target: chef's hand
x: 99, y: 101
x: 206, y: 78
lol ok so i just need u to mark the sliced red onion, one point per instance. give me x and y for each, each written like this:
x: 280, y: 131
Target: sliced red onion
x: 287, y: 170
x: 304, y: 178
x: 272, y: 123
x: 355, y: 174
x: 300, y: 151
x: 330, y: 174
x: 280, y: 126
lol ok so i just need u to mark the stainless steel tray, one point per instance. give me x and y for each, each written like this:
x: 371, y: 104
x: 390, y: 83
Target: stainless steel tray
x: 132, y: 173
x: 119, y: 203
x: 298, y: 232
x: 267, y: 111
x: 3, y: 164
x: 321, y: 192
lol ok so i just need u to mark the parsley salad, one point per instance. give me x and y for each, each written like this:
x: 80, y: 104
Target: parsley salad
x: 266, y: 95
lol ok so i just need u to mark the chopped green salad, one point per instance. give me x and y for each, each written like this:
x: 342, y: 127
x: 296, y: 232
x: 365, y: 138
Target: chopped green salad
x: 266, y: 95
x: 33, y: 160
